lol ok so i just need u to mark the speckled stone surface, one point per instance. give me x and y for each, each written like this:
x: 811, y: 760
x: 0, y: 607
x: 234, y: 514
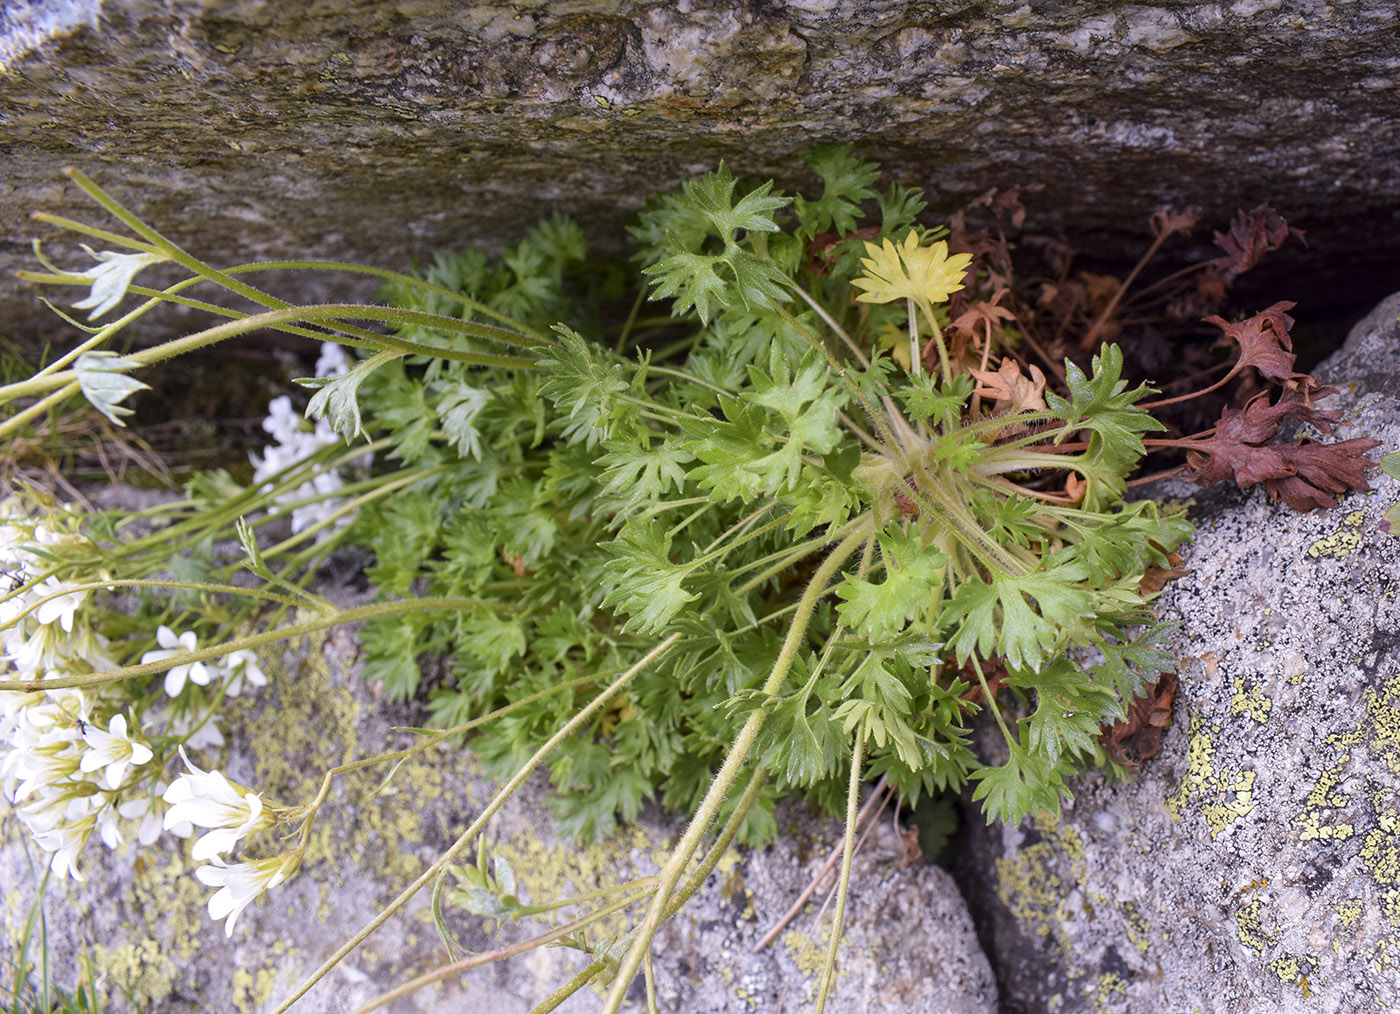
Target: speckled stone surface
x: 1254, y: 864
x: 381, y: 130
x: 910, y: 946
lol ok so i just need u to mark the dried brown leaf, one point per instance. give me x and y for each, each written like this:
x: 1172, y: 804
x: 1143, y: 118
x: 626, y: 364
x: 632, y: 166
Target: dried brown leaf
x: 1012, y: 390
x: 1252, y: 234
x: 1320, y: 470
x: 1264, y: 341
x: 1155, y: 578
x: 1165, y: 221
x: 1139, y: 736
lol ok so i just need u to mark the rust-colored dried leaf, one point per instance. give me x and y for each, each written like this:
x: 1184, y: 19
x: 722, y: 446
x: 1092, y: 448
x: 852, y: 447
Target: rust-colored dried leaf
x: 1139, y: 736
x: 1155, y: 578
x: 909, y: 846
x: 1012, y: 390
x: 1165, y: 221
x: 1252, y: 234
x: 1264, y: 341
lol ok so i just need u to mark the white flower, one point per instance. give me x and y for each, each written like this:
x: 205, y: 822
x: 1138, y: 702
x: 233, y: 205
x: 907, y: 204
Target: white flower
x: 195, y: 672
x: 65, y: 843
x: 111, y: 278
x: 242, y: 666
x: 112, y: 751
x: 61, y: 605
x: 240, y: 883
x: 208, y: 799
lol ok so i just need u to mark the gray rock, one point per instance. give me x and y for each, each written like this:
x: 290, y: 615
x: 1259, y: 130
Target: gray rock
x: 380, y: 131
x: 910, y: 946
x: 1254, y: 864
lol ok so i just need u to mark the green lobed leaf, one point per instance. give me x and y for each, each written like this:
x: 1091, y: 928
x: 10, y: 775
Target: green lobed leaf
x: 337, y: 398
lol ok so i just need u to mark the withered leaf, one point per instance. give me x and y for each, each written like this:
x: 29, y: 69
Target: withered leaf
x: 1155, y: 578
x: 984, y: 312
x: 1165, y: 221
x: 1012, y: 389
x: 1322, y: 469
x: 1264, y: 341
x: 1139, y: 736
x: 1252, y: 234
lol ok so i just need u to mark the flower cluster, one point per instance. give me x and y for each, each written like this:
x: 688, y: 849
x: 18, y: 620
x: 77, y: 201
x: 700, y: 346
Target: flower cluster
x: 74, y: 762
x: 67, y: 758
x: 228, y: 812
x: 312, y: 501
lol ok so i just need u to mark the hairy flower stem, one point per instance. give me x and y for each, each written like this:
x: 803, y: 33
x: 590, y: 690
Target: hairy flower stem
x: 844, y: 881
x: 244, y: 643
x: 330, y: 313
x: 497, y: 801
x: 728, y: 772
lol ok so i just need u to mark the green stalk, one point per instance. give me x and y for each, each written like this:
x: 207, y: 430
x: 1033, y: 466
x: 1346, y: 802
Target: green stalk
x: 18, y: 420
x: 728, y: 772
x: 583, y: 978
x: 325, y: 313
x: 927, y: 309
x: 243, y: 643
x: 844, y: 881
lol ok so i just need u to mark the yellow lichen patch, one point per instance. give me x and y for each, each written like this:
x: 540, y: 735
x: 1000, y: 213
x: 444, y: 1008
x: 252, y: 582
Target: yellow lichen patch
x: 551, y: 872
x: 1290, y: 972
x: 1342, y: 542
x: 141, y: 969
x: 1107, y: 989
x: 293, y: 752
x: 1225, y: 796
x: 1324, y: 794
x: 1249, y: 927
x: 1381, y: 854
x: 1383, y: 722
x: 1137, y: 926
x: 809, y: 953
x: 1348, y: 913
x: 1252, y: 702
x: 252, y: 988
x: 1029, y: 885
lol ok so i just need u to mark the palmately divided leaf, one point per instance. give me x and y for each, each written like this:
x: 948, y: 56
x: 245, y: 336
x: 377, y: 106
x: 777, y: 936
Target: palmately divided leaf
x: 748, y: 454
x: 846, y: 182
x: 913, y: 573
x: 646, y: 585
x: 1103, y: 405
x: 1025, y: 784
x: 1070, y: 709
x: 676, y: 229
x: 458, y: 405
x: 996, y: 617
x: 636, y: 475
x: 585, y: 391
x: 712, y: 195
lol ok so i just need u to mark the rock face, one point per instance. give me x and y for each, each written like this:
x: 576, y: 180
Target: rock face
x: 379, y: 131
x: 910, y: 946
x: 1254, y: 864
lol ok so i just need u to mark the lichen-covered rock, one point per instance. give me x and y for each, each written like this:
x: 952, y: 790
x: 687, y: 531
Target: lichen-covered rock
x: 379, y: 131
x: 1254, y: 864
x: 910, y: 946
